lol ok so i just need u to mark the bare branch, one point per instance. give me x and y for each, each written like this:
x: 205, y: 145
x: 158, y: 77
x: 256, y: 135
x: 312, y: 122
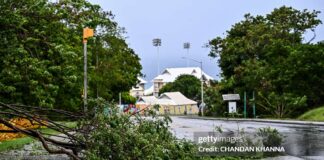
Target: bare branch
x: 61, y: 151
x: 314, y: 36
x: 71, y: 144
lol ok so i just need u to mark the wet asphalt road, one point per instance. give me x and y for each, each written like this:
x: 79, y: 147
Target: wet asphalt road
x: 302, y: 141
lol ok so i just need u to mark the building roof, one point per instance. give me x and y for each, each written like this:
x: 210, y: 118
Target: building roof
x: 175, y: 98
x: 167, y: 98
x: 231, y: 97
x: 137, y: 87
x: 149, y: 91
x: 147, y: 100
x: 141, y: 80
x: 170, y: 74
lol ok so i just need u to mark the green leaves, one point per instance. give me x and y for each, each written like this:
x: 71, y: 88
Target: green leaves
x: 119, y: 136
x: 266, y: 54
x: 252, y: 37
x: 181, y: 85
x: 42, y: 58
x: 281, y: 105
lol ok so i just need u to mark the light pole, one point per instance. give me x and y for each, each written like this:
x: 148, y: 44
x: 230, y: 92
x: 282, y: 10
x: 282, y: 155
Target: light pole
x: 202, y: 105
x: 87, y: 33
x: 157, y: 43
x: 187, y: 46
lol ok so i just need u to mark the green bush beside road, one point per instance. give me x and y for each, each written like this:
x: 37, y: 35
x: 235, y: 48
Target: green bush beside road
x: 316, y: 114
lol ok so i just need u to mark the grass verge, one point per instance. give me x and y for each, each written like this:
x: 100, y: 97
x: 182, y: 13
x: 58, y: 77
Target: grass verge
x: 15, y: 143
x: 20, y: 142
x: 316, y: 114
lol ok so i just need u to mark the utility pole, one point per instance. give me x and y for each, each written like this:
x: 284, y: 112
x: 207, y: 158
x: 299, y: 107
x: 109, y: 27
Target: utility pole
x: 244, y: 105
x: 202, y: 90
x: 87, y: 33
x: 97, y: 68
x: 254, y: 112
x: 202, y: 105
x: 119, y: 98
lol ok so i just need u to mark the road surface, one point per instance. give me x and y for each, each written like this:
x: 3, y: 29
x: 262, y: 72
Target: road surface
x: 303, y: 140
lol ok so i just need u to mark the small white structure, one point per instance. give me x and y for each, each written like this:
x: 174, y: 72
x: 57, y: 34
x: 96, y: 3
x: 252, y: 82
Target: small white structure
x: 231, y: 107
x: 170, y: 74
x: 231, y: 98
x: 138, y: 90
x: 170, y: 103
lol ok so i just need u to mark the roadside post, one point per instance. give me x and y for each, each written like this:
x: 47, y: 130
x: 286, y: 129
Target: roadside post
x: 87, y: 33
x: 244, y: 105
x: 253, y: 100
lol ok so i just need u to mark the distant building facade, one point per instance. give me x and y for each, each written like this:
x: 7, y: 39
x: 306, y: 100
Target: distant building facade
x: 170, y: 74
x: 138, y: 90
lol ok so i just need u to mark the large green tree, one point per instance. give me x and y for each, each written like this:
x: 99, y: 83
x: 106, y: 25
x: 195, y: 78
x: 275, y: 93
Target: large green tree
x: 269, y: 54
x: 42, y: 57
x: 188, y: 85
x: 214, y: 101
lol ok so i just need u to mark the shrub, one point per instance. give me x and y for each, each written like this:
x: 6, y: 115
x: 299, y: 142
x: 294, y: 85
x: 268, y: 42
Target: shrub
x: 122, y: 136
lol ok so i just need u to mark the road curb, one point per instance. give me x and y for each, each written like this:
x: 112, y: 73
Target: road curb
x: 258, y: 120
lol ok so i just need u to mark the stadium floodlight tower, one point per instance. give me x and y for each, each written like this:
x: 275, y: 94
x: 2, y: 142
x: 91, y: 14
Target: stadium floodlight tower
x: 157, y: 44
x: 187, y: 47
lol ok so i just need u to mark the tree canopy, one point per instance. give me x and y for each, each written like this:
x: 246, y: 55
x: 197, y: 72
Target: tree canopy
x: 188, y: 85
x: 268, y: 54
x: 42, y: 57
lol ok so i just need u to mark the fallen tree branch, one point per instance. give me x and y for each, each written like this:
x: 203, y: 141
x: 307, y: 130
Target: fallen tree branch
x: 60, y: 151
x: 49, y: 124
x: 71, y: 144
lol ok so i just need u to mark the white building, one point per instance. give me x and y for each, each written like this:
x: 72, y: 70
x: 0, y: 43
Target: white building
x: 170, y: 74
x: 138, y: 90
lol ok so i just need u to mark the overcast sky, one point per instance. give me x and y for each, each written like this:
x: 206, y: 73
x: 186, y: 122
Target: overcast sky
x: 194, y: 21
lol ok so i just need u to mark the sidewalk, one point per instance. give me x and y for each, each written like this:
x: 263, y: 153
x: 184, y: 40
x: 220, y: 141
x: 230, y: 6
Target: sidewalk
x: 298, y: 122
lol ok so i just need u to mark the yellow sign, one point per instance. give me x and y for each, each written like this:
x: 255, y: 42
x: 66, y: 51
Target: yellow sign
x: 87, y: 32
